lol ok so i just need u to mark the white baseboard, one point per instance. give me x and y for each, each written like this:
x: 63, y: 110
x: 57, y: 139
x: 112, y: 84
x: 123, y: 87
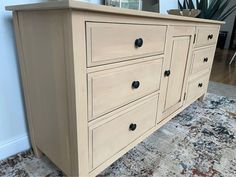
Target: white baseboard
x: 14, y: 146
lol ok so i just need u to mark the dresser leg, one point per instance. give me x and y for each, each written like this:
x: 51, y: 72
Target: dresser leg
x: 37, y: 152
x: 201, y: 98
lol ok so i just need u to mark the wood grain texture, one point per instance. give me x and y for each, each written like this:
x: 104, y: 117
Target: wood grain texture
x: 178, y: 64
x: 197, y: 88
x: 111, y: 89
x: 177, y: 60
x: 45, y: 74
x: 113, y: 136
x: 79, y: 96
x: 202, y: 59
x: 111, y: 42
x: 203, y: 36
x: 25, y: 84
x: 81, y: 91
x: 73, y: 4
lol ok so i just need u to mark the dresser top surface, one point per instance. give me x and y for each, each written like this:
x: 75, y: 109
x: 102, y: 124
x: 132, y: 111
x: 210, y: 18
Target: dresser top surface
x: 77, y: 5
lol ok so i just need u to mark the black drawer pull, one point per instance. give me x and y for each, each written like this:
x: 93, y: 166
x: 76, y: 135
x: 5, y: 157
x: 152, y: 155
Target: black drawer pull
x: 167, y: 73
x: 138, y: 42
x: 210, y: 36
x: 132, y: 127
x: 205, y: 59
x: 200, y: 85
x: 135, y: 84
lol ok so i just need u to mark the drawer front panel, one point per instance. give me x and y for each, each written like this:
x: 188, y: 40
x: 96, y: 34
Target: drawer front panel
x: 111, y: 89
x: 113, y: 136
x: 197, y: 88
x: 108, y: 43
x: 206, y: 36
x: 202, y: 59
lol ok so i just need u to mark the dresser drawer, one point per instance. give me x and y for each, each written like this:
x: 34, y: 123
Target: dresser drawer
x: 116, y: 87
x: 111, y: 137
x: 202, y: 59
x: 197, y: 87
x: 109, y: 42
x: 206, y: 36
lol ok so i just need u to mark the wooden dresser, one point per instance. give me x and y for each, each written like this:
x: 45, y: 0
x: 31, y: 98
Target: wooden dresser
x: 98, y: 80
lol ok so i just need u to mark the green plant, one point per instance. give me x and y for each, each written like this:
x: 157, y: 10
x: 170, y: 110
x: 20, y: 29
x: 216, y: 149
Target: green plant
x: 213, y: 9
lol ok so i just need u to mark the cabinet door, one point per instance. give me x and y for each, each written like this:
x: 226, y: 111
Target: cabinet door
x: 176, y: 67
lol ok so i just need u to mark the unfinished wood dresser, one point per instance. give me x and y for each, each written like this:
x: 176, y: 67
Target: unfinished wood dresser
x: 98, y: 80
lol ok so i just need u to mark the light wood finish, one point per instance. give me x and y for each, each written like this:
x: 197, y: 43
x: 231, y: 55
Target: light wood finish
x: 25, y: 86
x: 111, y: 137
x: 74, y: 4
x: 77, y: 77
x: 177, y: 61
x: 124, y: 63
x: 199, y: 74
x: 78, y: 39
x: 202, y: 59
x: 197, y: 88
x: 135, y: 142
x: 110, y: 42
x: 206, y: 36
x: 47, y: 99
x: 110, y: 89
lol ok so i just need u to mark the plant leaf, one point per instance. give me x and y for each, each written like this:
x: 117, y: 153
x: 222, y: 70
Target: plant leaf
x: 204, y: 5
x: 184, y: 4
x: 198, y: 4
x: 180, y: 5
x: 191, y: 5
x: 226, y: 14
x: 212, y: 4
x: 222, y: 8
x: 187, y: 4
x: 215, y: 8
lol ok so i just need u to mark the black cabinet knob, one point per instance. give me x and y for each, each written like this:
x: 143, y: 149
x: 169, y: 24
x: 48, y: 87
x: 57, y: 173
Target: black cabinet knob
x: 167, y: 73
x: 205, y: 59
x: 138, y: 42
x: 132, y: 127
x: 135, y: 84
x: 200, y: 85
x: 210, y: 36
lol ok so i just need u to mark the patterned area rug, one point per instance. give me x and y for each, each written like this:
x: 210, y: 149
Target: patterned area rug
x: 200, y: 141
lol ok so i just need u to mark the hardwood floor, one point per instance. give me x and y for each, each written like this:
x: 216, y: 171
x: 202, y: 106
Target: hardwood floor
x: 221, y: 70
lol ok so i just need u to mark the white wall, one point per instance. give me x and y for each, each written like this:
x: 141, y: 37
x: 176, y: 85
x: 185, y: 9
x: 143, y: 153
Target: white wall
x: 92, y: 1
x: 168, y: 4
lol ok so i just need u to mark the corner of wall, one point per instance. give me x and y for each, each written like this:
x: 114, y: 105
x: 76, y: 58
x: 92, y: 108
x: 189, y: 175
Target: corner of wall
x: 14, y: 146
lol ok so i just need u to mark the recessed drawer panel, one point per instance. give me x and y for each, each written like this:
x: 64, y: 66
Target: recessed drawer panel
x: 111, y: 137
x: 113, y: 88
x: 202, y: 59
x: 108, y: 42
x: 206, y: 36
x: 197, y: 87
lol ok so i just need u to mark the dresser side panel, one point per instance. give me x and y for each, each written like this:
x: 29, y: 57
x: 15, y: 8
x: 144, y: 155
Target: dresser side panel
x: 44, y: 58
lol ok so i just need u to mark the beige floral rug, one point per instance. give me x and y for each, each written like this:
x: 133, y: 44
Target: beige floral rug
x: 200, y: 141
